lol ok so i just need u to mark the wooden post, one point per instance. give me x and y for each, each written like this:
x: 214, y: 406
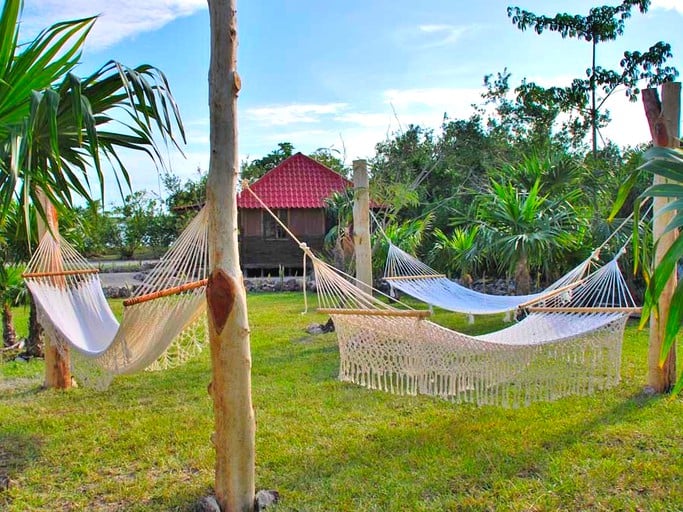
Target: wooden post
x: 57, y: 360
x: 234, y: 436
x: 361, y: 224
x: 664, y: 119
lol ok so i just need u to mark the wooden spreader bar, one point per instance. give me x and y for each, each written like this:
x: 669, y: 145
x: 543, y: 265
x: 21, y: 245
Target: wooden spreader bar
x: 423, y: 276
x: 551, y: 294
x: 422, y: 313
x: 60, y: 273
x: 165, y: 293
x: 584, y: 310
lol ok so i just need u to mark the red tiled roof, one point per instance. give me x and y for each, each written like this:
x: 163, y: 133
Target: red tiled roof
x: 298, y: 182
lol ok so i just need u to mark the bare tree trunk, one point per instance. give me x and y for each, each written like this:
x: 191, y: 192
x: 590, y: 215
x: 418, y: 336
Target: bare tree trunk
x: 9, y: 334
x: 34, y: 344
x: 57, y: 360
x: 664, y: 119
x: 234, y: 436
x: 522, y: 277
x: 361, y: 224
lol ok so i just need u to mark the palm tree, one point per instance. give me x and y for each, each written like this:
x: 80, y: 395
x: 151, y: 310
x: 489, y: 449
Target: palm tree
x: 524, y: 229
x: 667, y: 163
x: 458, y: 252
x: 339, y: 239
x: 12, y: 291
x: 55, y: 126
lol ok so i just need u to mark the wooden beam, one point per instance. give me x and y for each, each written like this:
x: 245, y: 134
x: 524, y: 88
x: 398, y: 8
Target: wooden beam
x: 57, y: 358
x: 420, y: 313
x: 664, y: 118
x: 424, y: 276
x: 361, y: 225
x: 165, y: 293
x: 230, y: 388
x: 551, y: 294
x: 60, y: 273
x: 584, y: 310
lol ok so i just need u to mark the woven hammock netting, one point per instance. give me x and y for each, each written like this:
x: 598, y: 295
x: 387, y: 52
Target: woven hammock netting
x: 162, y: 327
x: 406, y: 273
x: 568, y: 344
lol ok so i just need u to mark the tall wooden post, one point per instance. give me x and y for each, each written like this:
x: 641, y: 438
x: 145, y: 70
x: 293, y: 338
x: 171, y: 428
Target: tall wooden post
x: 361, y: 224
x: 234, y: 436
x: 664, y: 119
x: 57, y: 360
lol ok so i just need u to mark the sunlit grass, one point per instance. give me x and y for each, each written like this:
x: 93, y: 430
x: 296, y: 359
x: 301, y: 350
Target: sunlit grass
x: 329, y: 446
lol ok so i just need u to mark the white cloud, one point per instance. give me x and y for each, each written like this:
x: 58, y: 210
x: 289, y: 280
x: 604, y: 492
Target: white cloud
x: 672, y: 5
x: 456, y: 101
x: 366, y: 119
x: 442, y: 35
x: 279, y: 115
x: 118, y: 19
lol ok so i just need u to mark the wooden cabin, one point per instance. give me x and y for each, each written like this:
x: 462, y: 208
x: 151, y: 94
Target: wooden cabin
x: 295, y: 191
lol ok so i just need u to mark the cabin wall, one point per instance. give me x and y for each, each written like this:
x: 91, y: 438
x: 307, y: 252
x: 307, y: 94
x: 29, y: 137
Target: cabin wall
x: 263, y: 249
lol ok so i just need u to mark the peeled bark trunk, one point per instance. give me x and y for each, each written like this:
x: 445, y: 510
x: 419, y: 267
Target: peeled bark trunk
x: 234, y: 436
x: 664, y: 121
x: 57, y: 360
x: 34, y: 343
x: 9, y: 334
x: 522, y: 277
x: 361, y: 225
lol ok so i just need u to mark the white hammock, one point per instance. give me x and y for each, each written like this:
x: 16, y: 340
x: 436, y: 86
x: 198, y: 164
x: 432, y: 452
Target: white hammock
x: 406, y: 273
x: 569, y: 343
x: 165, y: 309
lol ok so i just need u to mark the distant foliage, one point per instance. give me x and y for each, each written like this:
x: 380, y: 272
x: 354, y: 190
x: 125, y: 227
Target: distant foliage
x: 604, y: 23
x: 254, y: 169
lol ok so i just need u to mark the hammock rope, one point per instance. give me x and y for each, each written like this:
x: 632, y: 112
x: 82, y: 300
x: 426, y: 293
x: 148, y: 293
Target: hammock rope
x: 411, y: 276
x: 161, y: 324
x: 570, y: 345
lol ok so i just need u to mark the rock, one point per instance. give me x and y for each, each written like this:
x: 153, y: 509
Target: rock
x: 328, y: 326
x: 208, y: 504
x: 264, y: 499
x: 20, y: 359
x: 292, y: 285
x: 314, y: 329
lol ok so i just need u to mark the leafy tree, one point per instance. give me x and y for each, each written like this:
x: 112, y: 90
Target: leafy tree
x: 408, y: 235
x: 253, y: 170
x: 256, y: 168
x: 327, y: 157
x: 460, y: 252
x: 526, y: 118
x: 140, y: 224
x: 191, y: 193
x: 605, y: 23
x: 55, y: 125
x: 524, y: 229
x: 339, y: 238
x: 668, y: 163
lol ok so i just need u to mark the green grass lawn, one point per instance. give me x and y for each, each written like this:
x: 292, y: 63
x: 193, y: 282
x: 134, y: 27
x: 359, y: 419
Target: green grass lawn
x: 329, y: 446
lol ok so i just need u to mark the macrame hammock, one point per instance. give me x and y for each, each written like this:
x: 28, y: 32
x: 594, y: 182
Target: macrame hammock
x: 162, y: 323
x: 568, y: 344
x: 411, y: 276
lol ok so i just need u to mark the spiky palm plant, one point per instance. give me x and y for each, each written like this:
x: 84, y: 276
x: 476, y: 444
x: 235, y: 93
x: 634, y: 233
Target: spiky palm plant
x: 55, y: 128
x: 524, y: 229
x: 669, y: 164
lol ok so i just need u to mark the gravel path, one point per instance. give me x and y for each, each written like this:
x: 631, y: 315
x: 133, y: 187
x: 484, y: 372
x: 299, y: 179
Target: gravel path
x: 119, y: 279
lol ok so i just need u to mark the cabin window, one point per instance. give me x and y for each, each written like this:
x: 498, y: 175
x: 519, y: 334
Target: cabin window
x: 271, y: 228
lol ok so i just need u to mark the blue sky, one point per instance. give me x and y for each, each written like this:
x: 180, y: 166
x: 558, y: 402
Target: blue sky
x: 346, y: 74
